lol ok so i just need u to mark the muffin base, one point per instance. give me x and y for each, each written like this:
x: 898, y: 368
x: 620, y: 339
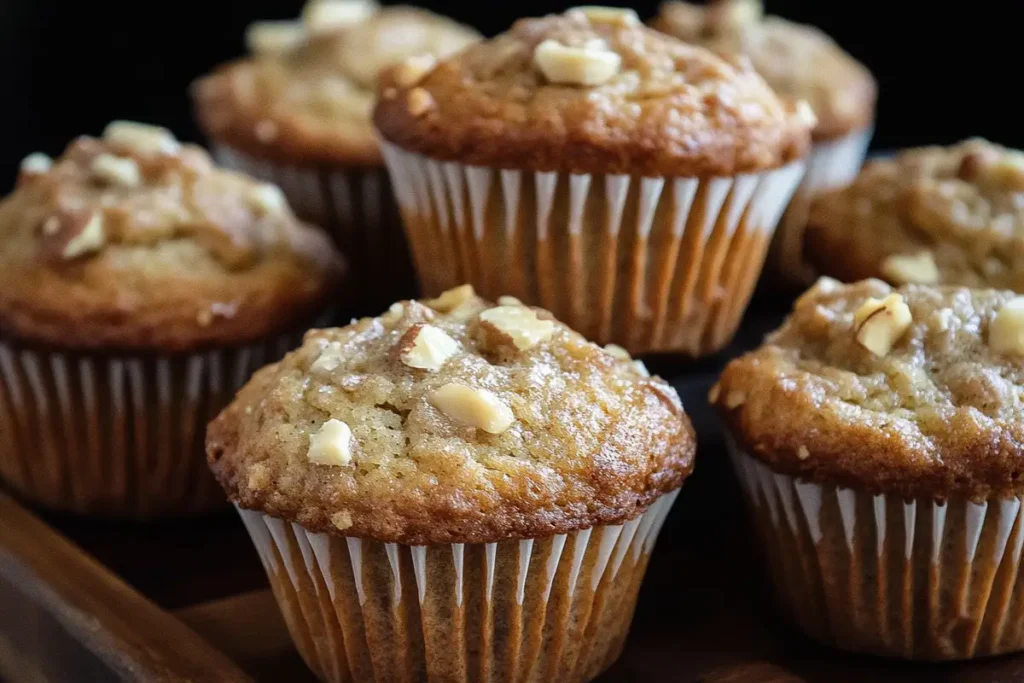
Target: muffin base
x: 551, y: 609
x: 651, y: 264
x: 355, y: 206
x: 919, y: 579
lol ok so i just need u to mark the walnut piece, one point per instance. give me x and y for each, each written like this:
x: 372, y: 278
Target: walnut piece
x: 509, y: 301
x: 599, y: 14
x: 451, y: 299
x: 274, y: 37
x: 918, y: 269
x: 519, y: 324
x: 477, y: 408
x: 115, y: 170
x: 326, y: 16
x: 591, y: 65
x: 77, y: 235
x: 331, y: 445
x: 1006, y: 333
x: 142, y: 138
x: 879, y: 324
x: 426, y: 347
x: 412, y: 70
x: 36, y: 163
x: 420, y: 102
x: 329, y: 359
x: 617, y: 352
x: 268, y: 199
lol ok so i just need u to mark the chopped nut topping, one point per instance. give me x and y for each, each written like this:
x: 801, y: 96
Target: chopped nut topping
x: 452, y: 298
x: 641, y: 369
x: 617, y: 352
x: 274, y: 37
x: 477, y: 408
x: 36, y: 163
x: 115, y: 170
x: 342, y: 520
x: 329, y: 358
x: 85, y: 236
x: 268, y: 198
x: 519, y: 324
x: 394, y: 314
x: 803, y: 453
x: 880, y: 324
x: 1008, y: 170
x: 326, y: 16
x: 732, y: 15
x: 142, y: 138
x: 331, y: 445
x: 734, y: 399
x: 588, y: 66
x: 420, y: 102
x: 1006, y: 333
x: 608, y: 15
x: 413, y: 69
x: 204, y: 317
x: 918, y: 269
x: 426, y: 347
x: 509, y: 301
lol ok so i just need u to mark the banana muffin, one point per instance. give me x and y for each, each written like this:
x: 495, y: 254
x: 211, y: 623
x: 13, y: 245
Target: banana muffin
x: 625, y: 180
x: 454, y: 490
x: 933, y: 215
x: 801, y: 62
x: 139, y: 286
x: 878, y: 436
x: 297, y: 112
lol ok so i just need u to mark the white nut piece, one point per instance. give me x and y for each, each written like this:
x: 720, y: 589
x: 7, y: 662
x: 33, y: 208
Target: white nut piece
x: 274, y: 37
x: 561, y: 64
x: 509, y: 301
x: 420, y: 102
x: 331, y: 445
x: 115, y: 170
x: 329, y: 359
x: 430, y: 349
x: 879, y: 324
x: 413, y: 69
x: 599, y: 14
x: 452, y: 299
x: 617, y: 352
x: 918, y: 269
x: 1006, y: 333
x: 268, y: 199
x: 36, y: 163
x: 90, y: 239
x: 142, y: 137
x: 326, y: 16
x: 473, y: 407
x: 520, y: 324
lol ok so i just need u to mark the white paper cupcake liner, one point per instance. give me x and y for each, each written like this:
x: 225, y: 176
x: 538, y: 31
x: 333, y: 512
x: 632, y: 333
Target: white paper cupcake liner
x: 356, y: 207
x: 546, y: 609
x: 652, y: 264
x: 830, y: 164
x: 918, y: 579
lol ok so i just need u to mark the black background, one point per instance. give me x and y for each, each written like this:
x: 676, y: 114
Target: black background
x: 69, y: 66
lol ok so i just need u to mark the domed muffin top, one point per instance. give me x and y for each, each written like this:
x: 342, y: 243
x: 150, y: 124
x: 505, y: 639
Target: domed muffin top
x: 592, y: 91
x: 137, y: 241
x: 916, y: 391
x: 797, y: 60
x: 933, y: 215
x: 452, y: 421
x: 307, y: 92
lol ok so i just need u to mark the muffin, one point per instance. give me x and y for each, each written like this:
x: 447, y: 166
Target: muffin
x: 878, y: 437
x: 934, y: 215
x: 139, y: 288
x: 798, y: 61
x: 454, y: 491
x: 297, y: 113
x: 624, y: 180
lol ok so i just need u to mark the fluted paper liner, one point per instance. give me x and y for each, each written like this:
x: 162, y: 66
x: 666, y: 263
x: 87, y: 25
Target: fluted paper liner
x: 830, y: 164
x: 918, y: 579
x: 356, y: 207
x: 546, y: 609
x: 651, y: 264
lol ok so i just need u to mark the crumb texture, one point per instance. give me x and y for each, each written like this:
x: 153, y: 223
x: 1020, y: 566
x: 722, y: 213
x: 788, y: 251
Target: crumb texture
x: 499, y: 442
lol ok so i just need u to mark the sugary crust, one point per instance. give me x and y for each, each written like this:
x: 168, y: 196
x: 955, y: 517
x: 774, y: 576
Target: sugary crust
x: 672, y: 109
x: 312, y: 105
x: 799, y: 61
x: 188, y: 256
x: 593, y: 440
x: 962, y: 205
x: 939, y: 415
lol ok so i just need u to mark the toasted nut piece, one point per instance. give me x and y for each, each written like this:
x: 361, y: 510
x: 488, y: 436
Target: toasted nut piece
x: 142, y: 138
x: 329, y: 358
x: 394, y: 314
x: 420, y: 102
x: 115, y: 170
x: 342, y: 520
x: 84, y: 235
x: 36, y: 163
x: 426, y: 347
x: 452, y: 298
x: 509, y: 301
x: 732, y: 15
x: 326, y: 16
x: 599, y: 14
x: 267, y: 198
x: 331, y: 445
x: 805, y: 113
x: 412, y: 70
x: 917, y: 269
x: 520, y: 324
x: 564, y: 65
x: 473, y: 407
x: 641, y: 369
x: 1008, y: 171
x: 803, y: 453
x: 274, y: 37
x: 617, y: 352
x: 1006, y: 333
x: 734, y: 399
x: 880, y: 324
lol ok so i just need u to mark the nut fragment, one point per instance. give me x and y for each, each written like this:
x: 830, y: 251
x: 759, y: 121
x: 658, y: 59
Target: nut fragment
x: 426, y: 347
x: 473, y: 407
x: 342, y: 520
x: 803, y: 453
x: 84, y: 235
x: 880, y: 324
x: 142, y: 138
x: 732, y: 15
x: 331, y: 445
x: 714, y: 393
x: 1006, y: 333
x: 420, y: 102
x: 734, y: 399
x: 274, y: 37
x: 564, y: 65
x: 326, y: 16
x: 115, y: 170
x: 329, y: 358
x: 36, y: 163
x: 509, y: 301
x: 412, y: 70
x: 617, y: 352
x: 599, y: 14
x: 451, y: 298
x: 520, y: 324
x: 917, y: 268
x: 268, y: 198
x: 1008, y: 170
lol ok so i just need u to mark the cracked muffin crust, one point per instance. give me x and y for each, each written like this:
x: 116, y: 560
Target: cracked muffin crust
x: 136, y: 241
x: 452, y: 421
x: 797, y: 60
x: 916, y: 391
x: 593, y: 91
x: 933, y: 215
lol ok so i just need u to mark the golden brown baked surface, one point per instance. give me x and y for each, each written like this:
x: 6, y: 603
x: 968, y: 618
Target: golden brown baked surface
x: 641, y: 103
x: 797, y: 60
x: 311, y: 103
x: 940, y: 413
x: 135, y: 241
x: 574, y: 436
x: 957, y: 211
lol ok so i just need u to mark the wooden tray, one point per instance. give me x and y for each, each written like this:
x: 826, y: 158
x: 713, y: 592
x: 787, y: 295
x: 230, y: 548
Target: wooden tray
x: 188, y: 601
